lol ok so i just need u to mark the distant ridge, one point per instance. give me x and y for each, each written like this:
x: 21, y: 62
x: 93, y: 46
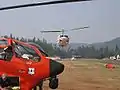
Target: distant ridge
x: 76, y: 45
x: 111, y: 44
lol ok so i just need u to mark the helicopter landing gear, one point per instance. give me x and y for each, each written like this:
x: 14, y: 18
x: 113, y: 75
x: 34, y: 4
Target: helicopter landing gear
x: 53, y: 82
x: 40, y: 85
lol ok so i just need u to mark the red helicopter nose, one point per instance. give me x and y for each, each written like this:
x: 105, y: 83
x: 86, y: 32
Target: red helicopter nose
x: 55, y: 68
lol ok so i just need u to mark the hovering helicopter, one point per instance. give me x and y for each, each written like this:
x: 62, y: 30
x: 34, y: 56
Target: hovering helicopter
x: 63, y: 39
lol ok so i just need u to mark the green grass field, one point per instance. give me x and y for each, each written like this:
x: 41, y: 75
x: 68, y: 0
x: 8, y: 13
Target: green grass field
x: 88, y: 75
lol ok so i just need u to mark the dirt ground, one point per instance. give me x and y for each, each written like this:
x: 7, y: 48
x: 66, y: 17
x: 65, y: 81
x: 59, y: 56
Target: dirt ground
x: 88, y: 75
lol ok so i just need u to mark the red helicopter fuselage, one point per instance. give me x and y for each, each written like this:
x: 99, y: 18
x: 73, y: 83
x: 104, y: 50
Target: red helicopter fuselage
x: 29, y: 64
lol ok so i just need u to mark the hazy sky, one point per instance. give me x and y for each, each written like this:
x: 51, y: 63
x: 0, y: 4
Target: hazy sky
x: 103, y: 17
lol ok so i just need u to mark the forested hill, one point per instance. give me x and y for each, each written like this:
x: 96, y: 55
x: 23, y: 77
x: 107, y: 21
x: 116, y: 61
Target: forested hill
x: 110, y: 44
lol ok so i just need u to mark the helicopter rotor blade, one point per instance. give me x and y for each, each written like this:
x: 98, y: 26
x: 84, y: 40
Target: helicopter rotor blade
x: 76, y: 29
x: 49, y: 31
x: 62, y: 30
x: 40, y: 4
x: 79, y: 28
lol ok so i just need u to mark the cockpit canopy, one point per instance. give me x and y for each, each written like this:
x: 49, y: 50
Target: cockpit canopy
x: 3, y: 42
x: 19, y: 49
x: 64, y: 36
x: 39, y: 47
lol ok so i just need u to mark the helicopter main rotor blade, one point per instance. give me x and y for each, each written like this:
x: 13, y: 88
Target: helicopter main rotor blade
x: 79, y: 28
x: 76, y: 29
x: 62, y: 30
x: 40, y: 4
x: 49, y: 31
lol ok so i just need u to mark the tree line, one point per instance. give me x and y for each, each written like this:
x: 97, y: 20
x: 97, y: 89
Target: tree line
x: 92, y: 52
x: 83, y: 51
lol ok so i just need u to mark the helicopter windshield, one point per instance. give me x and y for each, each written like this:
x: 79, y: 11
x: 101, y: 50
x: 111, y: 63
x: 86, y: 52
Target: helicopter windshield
x: 39, y: 47
x: 3, y: 42
x: 26, y: 52
x: 64, y: 36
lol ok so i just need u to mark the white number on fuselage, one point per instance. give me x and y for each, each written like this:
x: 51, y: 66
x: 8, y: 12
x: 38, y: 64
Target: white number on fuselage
x: 31, y: 71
